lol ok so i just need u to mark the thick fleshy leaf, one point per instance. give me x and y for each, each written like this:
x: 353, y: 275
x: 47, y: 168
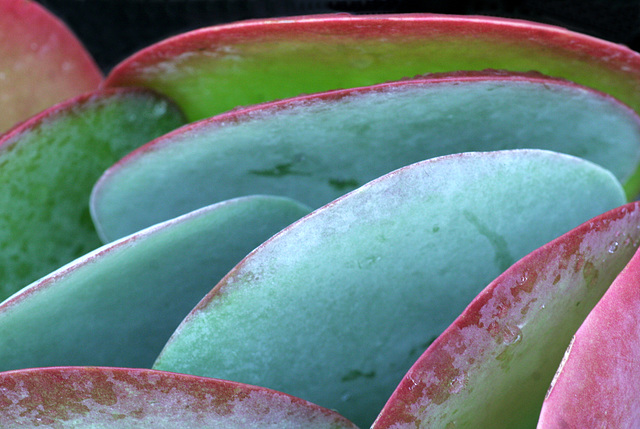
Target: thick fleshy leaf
x: 598, y: 382
x: 41, y: 62
x: 48, y: 166
x: 120, y: 304
x: 338, y: 306
x: 123, y: 398
x: 492, y: 366
x: 215, y: 69
x: 316, y: 148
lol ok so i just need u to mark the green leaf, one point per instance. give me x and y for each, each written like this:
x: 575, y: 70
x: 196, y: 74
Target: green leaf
x: 41, y: 62
x: 119, y: 305
x: 122, y: 398
x: 492, y: 367
x: 337, y: 307
x: 212, y: 70
x: 318, y: 147
x: 48, y: 165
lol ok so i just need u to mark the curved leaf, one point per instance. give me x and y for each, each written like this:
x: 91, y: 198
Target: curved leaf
x: 597, y: 382
x: 48, y: 165
x: 492, y: 366
x: 122, y: 398
x: 41, y: 62
x: 338, y: 306
x: 315, y: 148
x: 118, y: 305
x: 215, y: 69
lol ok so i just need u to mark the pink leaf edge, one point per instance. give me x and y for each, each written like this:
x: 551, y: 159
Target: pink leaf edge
x: 123, y: 397
x: 598, y: 382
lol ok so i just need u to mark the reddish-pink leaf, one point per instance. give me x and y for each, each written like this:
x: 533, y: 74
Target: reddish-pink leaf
x: 598, y: 383
x: 41, y: 62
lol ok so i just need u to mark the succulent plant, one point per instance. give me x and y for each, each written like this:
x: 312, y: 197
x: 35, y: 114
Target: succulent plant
x: 269, y: 224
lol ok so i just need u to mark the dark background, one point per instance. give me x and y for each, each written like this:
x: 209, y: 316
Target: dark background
x: 114, y: 29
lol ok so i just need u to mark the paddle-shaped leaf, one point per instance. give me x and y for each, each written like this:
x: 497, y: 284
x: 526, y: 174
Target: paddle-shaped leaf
x: 122, y: 398
x: 492, y: 366
x: 48, y: 166
x: 215, y: 69
x: 119, y: 305
x: 337, y: 307
x: 598, y: 383
x: 41, y: 62
x: 316, y: 148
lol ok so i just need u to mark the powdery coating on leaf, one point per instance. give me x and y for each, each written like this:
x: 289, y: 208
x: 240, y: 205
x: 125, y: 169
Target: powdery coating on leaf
x: 305, y: 147
x: 333, y: 98
x: 599, y: 384
x: 41, y: 62
x: 326, y: 291
x: 94, y: 397
x: 491, y: 368
x: 118, y: 305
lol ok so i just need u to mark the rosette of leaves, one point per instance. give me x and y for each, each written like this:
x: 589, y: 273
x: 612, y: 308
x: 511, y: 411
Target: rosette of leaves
x: 348, y: 249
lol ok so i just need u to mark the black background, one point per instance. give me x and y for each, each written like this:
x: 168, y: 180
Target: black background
x: 114, y: 29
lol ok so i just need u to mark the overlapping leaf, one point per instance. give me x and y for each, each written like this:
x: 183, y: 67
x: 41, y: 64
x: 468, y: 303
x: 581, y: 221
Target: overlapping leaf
x: 211, y: 70
x: 118, y: 305
x: 597, y: 382
x: 119, y: 398
x: 316, y: 148
x: 492, y: 366
x: 337, y: 307
x: 48, y: 166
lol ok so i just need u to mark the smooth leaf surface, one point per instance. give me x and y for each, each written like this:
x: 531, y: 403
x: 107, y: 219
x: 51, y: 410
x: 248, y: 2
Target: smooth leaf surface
x: 492, y: 367
x: 41, y: 62
x: 48, y: 166
x: 315, y: 148
x: 215, y: 69
x: 120, y: 304
x: 122, y: 398
x: 337, y: 307
x: 597, y: 384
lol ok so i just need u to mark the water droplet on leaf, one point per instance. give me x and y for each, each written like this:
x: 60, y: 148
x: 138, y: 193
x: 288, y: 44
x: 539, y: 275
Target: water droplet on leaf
x: 613, y: 247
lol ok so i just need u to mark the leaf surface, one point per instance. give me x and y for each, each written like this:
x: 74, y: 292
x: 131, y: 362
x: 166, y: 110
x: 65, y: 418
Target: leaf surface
x: 337, y: 307
x: 316, y: 148
x: 597, y: 382
x: 122, y: 398
x: 41, y: 62
x: 48, y: 166
x: 215, y: 69
x: 492, y: 366
x: 118, y: 306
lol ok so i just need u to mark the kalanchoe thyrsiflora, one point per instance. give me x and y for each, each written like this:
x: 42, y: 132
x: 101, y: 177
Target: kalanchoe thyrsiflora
x: 339, y: 306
